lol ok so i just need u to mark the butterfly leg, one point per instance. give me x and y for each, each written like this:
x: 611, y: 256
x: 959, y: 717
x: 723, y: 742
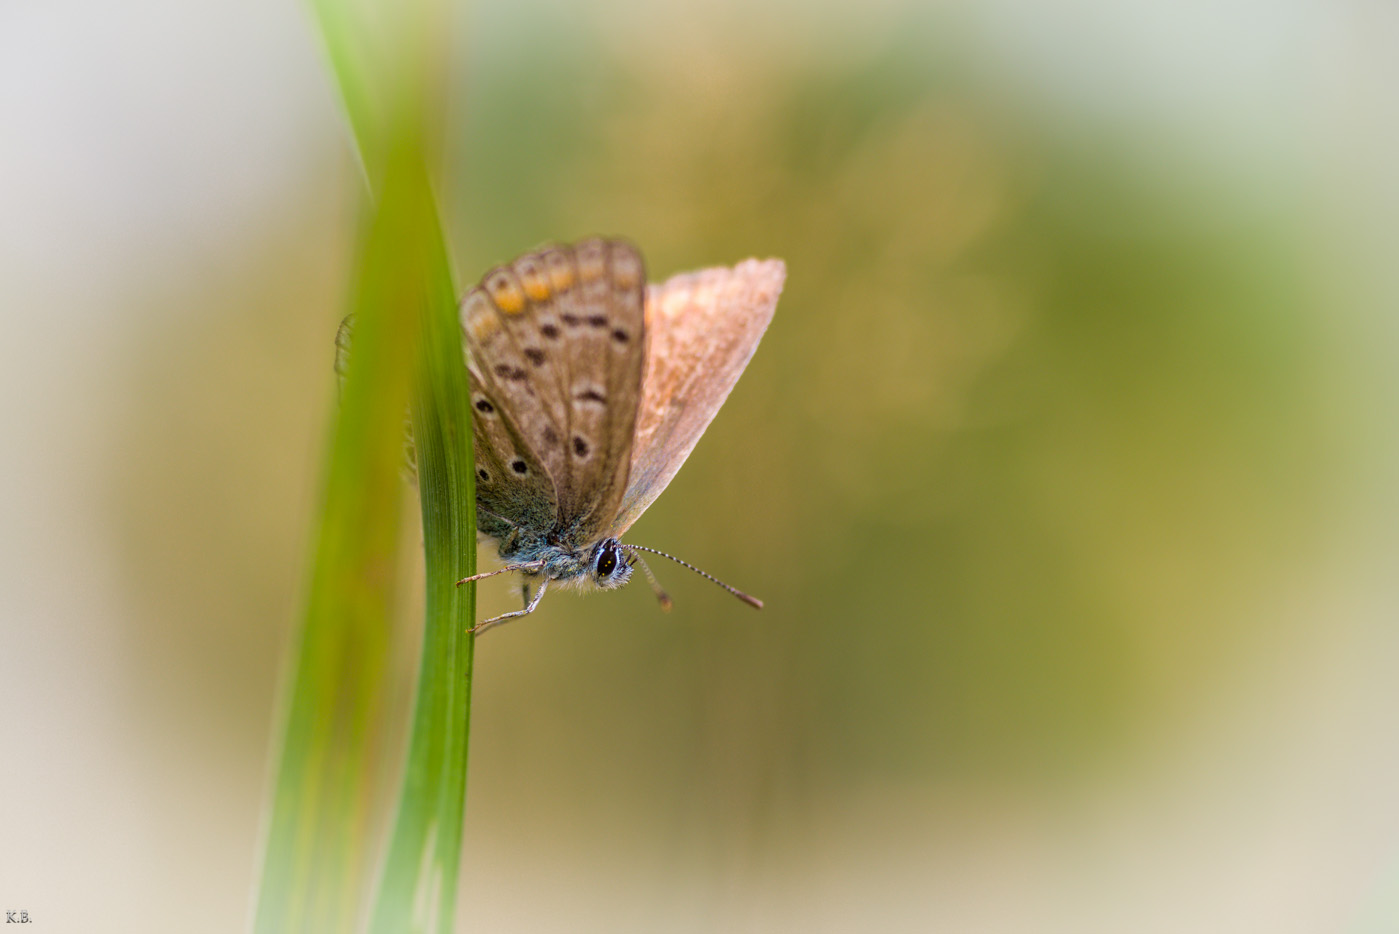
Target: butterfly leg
x: 529, y: 608
x: 528, y: 566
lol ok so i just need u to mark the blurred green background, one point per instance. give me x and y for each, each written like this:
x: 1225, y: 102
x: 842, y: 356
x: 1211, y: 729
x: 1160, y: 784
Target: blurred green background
x: 1066, y: 469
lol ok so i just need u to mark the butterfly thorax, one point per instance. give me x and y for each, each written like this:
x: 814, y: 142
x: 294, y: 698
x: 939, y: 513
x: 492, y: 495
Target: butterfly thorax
x: 604, y: 563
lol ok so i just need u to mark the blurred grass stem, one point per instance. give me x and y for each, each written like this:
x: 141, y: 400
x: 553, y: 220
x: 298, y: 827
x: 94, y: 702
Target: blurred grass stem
x: 406, y: 347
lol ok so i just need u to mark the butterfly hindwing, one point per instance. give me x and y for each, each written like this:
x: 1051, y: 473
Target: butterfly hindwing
x: 513, y: 483
x: 344, y: 341
x: 556, y: 344
x: 703, y: 328
x: 527, y: 300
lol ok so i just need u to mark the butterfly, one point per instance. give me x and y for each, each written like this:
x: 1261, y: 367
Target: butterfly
x: 589, y: 389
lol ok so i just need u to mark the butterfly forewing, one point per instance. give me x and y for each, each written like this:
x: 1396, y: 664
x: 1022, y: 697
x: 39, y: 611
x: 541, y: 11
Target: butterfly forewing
x: 703, y: 328
x: 604, y: 337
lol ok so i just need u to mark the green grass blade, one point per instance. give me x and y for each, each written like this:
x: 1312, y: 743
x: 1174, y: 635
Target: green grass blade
x: 417, y: 890
x: 387, y: 57
x: 314, y: 870
x: 314, y: 864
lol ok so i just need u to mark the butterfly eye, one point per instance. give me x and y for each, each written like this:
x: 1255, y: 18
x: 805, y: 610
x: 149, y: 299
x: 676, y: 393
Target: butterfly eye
x: 607, y: 563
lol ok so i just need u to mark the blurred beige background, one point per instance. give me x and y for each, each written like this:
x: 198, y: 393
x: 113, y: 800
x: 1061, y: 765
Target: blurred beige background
x: 1067, y: 469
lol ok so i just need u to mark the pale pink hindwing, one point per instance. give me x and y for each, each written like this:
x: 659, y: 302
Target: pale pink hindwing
x: 702, y: 328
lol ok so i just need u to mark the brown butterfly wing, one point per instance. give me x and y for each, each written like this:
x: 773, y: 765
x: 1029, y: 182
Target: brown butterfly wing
x: 604, y: 331
x: 702, y: 328
x: 514, y: 485
x: 556, y: 346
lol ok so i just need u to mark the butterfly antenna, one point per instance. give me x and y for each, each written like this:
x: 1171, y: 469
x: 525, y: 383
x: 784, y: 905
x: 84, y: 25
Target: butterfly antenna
x: 661, y: 595
x: 746, y: 598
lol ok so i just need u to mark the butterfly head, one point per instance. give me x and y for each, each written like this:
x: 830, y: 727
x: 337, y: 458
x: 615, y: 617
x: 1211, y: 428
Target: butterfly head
x: 610, y: 564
